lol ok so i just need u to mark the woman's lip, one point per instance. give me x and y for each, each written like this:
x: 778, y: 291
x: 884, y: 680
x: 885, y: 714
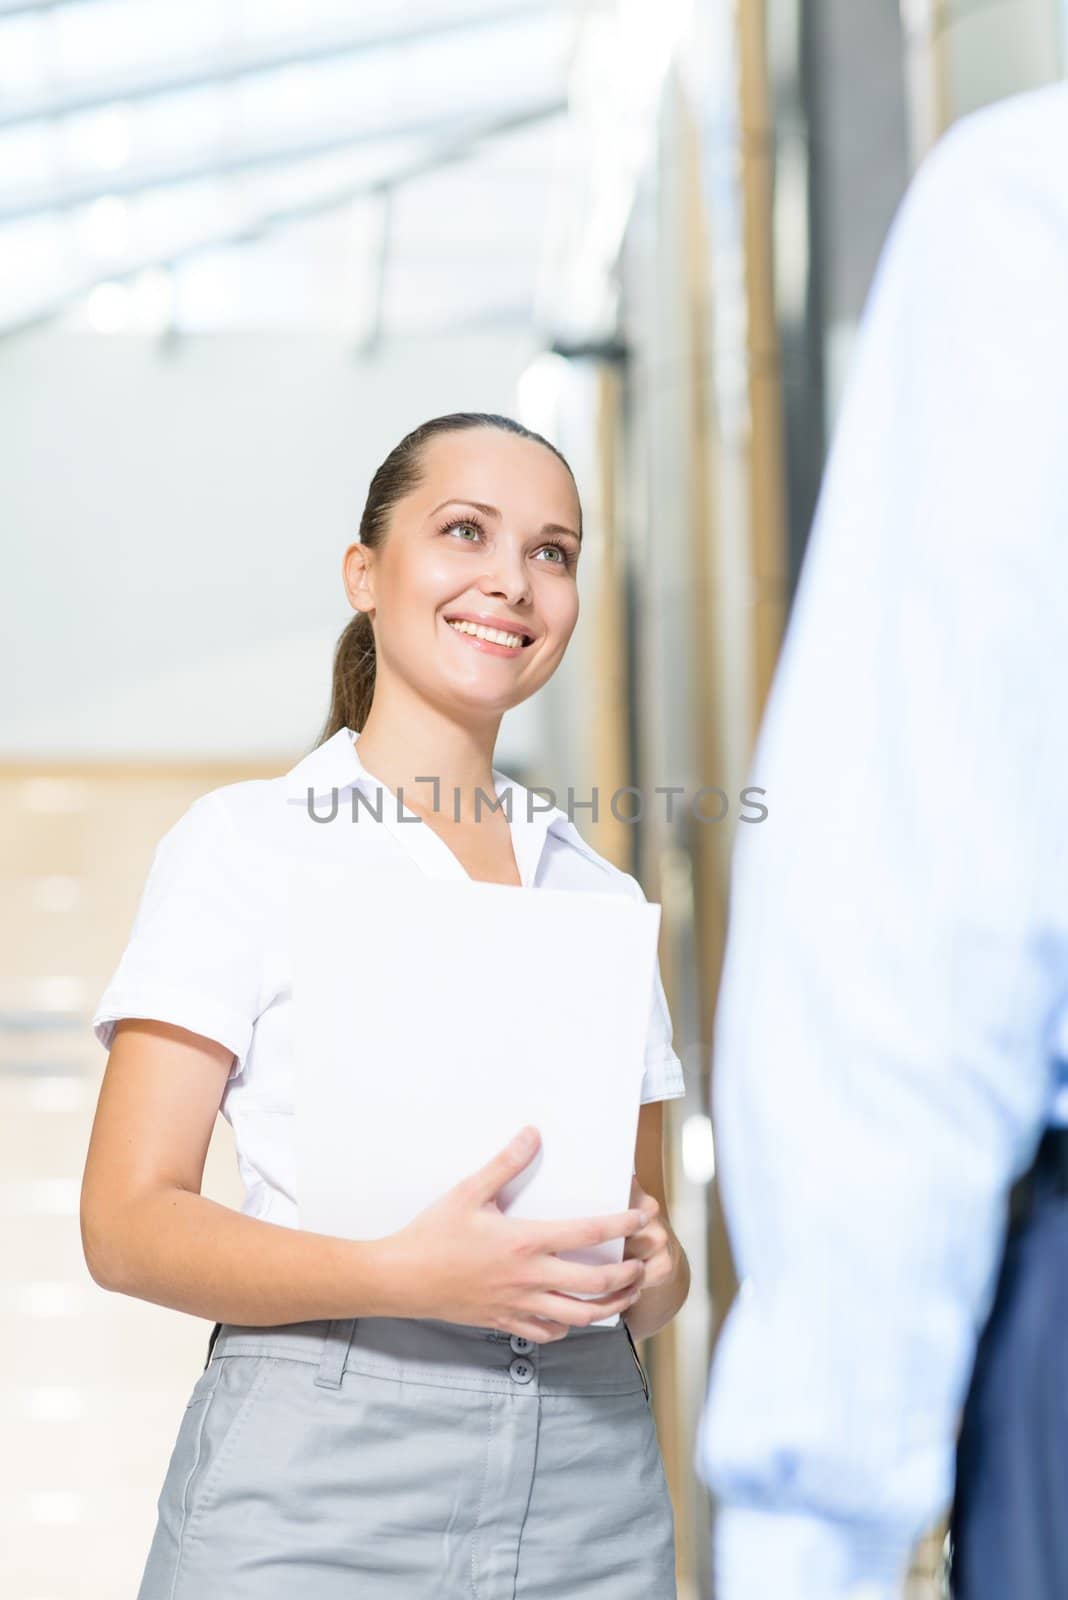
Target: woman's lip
x: 487, y: 646
x: 491, y: 622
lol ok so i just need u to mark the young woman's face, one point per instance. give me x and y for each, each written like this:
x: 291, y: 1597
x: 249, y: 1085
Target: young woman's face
x: 491, y: 533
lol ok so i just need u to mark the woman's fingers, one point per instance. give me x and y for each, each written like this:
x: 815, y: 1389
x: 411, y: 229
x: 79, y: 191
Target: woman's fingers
x: 553, y: 1312
x: 581, y: 1313
x: 538, y: 1331
x: 576, y: 1277
x: 582, y: 1232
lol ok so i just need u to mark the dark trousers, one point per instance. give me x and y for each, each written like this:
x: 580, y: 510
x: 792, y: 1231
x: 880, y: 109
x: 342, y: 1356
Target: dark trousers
x: 1009, y: 1526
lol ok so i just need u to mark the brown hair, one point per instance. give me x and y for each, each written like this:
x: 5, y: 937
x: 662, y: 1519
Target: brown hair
x: 354, y: 654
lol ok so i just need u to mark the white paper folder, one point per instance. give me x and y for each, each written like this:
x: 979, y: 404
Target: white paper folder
x: 434, y: 1017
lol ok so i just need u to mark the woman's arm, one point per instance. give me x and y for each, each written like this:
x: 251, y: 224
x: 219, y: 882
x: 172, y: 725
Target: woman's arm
x: 667, y: 1279
x: 147, y: 1230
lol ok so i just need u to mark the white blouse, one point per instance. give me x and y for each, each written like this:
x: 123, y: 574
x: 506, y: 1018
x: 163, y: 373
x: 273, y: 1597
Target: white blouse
x: 208, y: 947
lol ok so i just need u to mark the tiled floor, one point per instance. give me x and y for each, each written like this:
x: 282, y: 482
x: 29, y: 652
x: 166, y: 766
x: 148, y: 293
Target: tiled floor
x: 92, y: 1384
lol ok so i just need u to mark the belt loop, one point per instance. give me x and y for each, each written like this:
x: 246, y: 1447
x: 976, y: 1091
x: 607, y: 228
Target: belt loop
x: 336, y: 1343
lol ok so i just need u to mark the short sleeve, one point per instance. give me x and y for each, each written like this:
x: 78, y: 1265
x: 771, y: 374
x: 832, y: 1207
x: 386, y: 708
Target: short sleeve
x: 663, y: 1079
x: 194, y: 956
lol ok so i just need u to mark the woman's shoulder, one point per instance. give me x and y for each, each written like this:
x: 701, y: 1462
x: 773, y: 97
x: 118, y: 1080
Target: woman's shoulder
x: 242, y: 808
x: 238, y: 824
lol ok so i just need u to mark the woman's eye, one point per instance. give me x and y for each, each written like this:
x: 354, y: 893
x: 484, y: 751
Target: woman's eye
x: 561, y: 557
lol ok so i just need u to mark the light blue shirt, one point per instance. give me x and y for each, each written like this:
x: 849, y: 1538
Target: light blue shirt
x: 893, y: 1015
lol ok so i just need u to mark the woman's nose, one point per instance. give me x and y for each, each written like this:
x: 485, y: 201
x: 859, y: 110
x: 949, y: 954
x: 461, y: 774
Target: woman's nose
x: 508, y: 580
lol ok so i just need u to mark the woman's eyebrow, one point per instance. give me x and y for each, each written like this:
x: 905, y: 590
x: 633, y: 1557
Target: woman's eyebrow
x: 492, y: 511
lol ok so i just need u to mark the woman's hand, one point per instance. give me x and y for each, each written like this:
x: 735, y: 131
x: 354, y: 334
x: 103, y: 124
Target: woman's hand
x: 654, y: 1244
x: 463, y: 1260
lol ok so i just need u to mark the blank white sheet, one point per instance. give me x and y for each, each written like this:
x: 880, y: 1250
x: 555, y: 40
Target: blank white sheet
x: 434, y: 1017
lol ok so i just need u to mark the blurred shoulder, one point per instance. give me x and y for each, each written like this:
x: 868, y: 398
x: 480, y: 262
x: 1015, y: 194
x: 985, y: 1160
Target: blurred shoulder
x: 984, y: 223
x: 1012, y: 149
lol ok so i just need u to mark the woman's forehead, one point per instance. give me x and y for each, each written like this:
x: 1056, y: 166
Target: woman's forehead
x: 471, y: 468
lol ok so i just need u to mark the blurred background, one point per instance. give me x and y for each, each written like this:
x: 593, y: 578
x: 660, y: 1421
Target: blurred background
x: 245, y: 247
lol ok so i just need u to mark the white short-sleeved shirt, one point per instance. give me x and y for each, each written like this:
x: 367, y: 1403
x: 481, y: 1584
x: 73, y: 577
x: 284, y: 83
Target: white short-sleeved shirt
x: 208, y: 949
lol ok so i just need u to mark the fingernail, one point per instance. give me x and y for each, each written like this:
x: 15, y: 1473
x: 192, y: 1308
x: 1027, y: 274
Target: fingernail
x: 643, y: 1218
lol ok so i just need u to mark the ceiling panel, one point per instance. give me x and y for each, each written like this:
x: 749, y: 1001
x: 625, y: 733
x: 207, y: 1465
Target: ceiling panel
x: 189, y: 142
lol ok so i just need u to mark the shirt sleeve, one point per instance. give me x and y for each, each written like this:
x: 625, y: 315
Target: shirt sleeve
x: 194, y: 956
x: 662, y: 1079
x: 897, y: 944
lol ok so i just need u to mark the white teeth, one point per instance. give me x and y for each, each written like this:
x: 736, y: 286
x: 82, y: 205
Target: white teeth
x: 494, y: 635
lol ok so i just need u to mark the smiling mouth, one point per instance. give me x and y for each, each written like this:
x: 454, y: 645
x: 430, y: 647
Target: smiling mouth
x: 512, y: 639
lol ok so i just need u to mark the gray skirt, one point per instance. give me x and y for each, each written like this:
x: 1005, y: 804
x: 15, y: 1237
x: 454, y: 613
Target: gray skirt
x: 394, y: 1459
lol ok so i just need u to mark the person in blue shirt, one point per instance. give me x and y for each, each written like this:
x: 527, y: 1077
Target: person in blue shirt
x: 893, y: 1017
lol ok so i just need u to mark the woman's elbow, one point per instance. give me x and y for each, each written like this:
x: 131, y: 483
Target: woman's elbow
x: 104, y: 1221
x: 99, y: 1247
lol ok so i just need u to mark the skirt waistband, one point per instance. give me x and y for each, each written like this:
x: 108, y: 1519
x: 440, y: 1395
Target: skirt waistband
x: 589, y: 1361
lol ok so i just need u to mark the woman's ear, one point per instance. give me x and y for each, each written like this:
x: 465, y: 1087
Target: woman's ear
x: 356, y: 572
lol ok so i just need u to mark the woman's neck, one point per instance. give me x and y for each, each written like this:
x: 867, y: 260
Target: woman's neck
x: 440, y: 769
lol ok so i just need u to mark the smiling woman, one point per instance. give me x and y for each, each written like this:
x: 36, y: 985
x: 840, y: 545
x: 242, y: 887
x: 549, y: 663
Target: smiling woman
x: 502, y: 556
x: 434, y: 1411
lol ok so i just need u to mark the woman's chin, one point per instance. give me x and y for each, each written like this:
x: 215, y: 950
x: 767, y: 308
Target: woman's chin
x: 479, y: 699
